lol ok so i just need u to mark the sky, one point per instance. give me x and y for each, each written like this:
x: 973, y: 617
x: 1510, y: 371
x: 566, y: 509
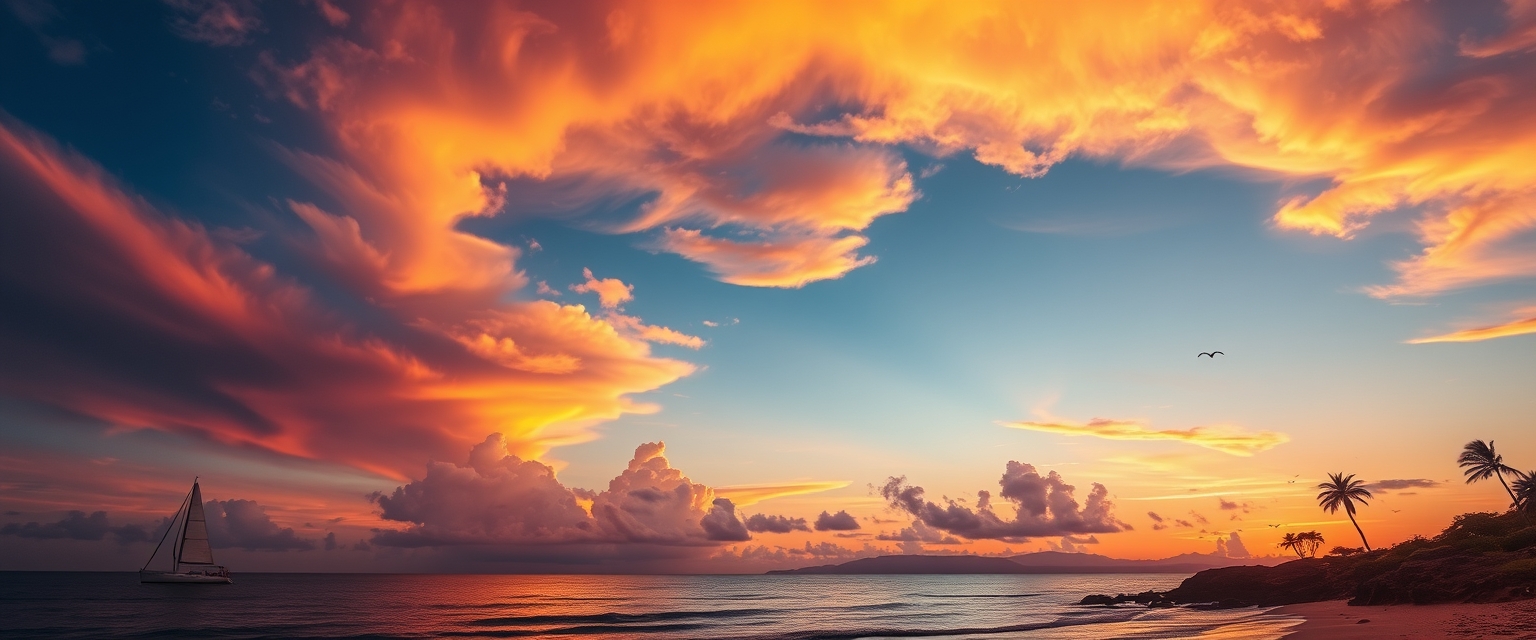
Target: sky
x: 722, y: 288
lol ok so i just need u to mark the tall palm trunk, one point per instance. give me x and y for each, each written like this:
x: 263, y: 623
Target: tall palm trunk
x: 1351, y: 514
x: 1512, y: 499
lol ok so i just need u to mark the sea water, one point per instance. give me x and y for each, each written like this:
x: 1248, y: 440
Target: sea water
x: 793, y: 607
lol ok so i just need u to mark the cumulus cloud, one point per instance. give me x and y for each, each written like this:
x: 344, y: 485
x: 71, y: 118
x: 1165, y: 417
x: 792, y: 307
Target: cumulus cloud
x: 840, y: 521
x: 1158, y: 522
x: 820, y: 551
x: 1232, y: 546
x: 247, y: 356
x: 499, y: 498
x: 1043, y: 506
x: 913, y: 538
x: 76, y: 525
x: 721, y: 524
x: 1225, y: 439
x: 1072, y: 544
x: 760, y: 523
x: 244, y: 524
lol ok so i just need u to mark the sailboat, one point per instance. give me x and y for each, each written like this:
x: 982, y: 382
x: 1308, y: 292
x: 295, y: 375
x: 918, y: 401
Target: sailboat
x: 191, y: 557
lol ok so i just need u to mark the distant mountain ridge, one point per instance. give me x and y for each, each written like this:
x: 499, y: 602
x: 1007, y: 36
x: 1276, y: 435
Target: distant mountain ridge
x: 1041, y: 562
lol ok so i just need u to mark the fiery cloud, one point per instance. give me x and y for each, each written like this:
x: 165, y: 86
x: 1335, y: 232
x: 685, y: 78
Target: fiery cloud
x: 1221, y: 438
x: 464, y: 108
x: 145, y: 321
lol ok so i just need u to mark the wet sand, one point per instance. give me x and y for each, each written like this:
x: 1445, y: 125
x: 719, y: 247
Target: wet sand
x: 1335, y: 620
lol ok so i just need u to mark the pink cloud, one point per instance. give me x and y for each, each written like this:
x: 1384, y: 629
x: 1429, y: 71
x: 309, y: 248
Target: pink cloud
x: 499, y: 498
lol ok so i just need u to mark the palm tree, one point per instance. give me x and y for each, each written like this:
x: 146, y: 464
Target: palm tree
x: 1480, y: 462
x: 1344, y: 491
x: 1525, y: 492
x: 1290, y: 541
x: 1310, y: 542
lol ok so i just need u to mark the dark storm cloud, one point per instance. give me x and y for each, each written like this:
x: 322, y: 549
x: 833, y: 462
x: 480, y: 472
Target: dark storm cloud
x: 76, y: 525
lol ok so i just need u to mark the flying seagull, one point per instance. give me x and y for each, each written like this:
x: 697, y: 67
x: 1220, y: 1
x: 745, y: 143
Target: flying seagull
x: 1212, y: 354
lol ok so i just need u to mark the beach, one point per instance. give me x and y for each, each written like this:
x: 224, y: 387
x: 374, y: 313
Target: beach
x: 1334, y: 620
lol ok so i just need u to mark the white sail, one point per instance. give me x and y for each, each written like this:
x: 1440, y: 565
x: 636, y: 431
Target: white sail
x: 194, y: 536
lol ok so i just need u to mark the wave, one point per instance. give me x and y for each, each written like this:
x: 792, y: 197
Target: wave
x: 618, y: 618
x: 977, y: 595
x: 580, y: 630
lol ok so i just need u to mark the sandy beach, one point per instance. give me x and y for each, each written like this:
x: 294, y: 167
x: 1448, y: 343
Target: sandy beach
x: 1335, y: 620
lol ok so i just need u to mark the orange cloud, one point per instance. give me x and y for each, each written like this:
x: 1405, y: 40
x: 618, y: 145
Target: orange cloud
x: 783, y: 129
x: 1516, y: 328
x: 611, y: 292
x: 152, y: 322
x: 1225, y: 439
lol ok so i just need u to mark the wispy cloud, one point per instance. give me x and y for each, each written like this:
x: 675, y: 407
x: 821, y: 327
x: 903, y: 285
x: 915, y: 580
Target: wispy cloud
x: 1223, y: 438
x: 750, y: 494
x: 1404, y: 483
x: 1515, y: 328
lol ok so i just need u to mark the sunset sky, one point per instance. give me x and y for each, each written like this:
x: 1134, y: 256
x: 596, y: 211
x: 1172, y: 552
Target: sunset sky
x: 425, y: 287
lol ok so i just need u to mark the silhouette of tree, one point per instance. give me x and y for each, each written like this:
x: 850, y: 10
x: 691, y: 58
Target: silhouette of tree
x: 1310, y: 542
x: 1290, y: 541
x: 1525, y: 492
x: 1344, y: 491
x: 1479, y: 461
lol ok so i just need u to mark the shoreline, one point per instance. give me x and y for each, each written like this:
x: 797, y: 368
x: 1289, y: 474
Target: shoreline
x: 1335, y: 620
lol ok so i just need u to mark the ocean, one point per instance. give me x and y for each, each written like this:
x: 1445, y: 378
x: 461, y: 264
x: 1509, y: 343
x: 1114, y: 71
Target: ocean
x: 793, y: 607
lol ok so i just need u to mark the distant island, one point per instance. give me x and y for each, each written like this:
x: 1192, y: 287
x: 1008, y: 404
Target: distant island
x: 1029, y: 563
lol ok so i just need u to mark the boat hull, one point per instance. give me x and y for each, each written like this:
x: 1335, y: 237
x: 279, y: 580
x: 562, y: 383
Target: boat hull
x: 182, y: 578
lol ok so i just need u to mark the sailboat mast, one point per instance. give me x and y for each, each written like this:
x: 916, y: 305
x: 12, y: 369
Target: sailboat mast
x: 181, y: 540
x: 172, y: 525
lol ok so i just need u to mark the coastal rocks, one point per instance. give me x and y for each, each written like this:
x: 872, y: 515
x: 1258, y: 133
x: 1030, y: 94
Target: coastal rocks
x: 1154, y: 599
x: 1309, y: 580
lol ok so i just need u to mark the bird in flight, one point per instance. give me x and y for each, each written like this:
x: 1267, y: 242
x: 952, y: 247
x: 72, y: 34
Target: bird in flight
x: 1211, y: 354
x: 1276, y: 526
x: 1396, y: 510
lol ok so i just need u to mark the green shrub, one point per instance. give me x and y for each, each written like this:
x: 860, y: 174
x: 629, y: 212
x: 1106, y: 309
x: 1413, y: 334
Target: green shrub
x: 1482, y: 524
x: 1525, y: 566
x: 1479, y: 544
x: 1520, y: 539
x: 1435, y: 552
